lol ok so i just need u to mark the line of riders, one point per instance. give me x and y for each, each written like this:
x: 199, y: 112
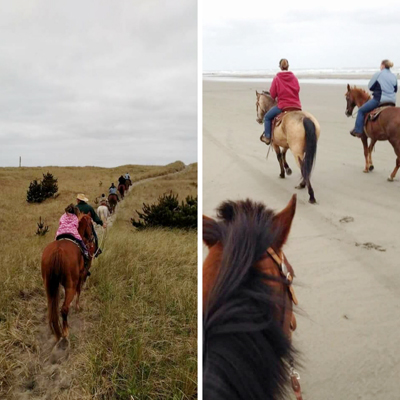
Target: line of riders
x: 69, y: 221
x: 285, y: 90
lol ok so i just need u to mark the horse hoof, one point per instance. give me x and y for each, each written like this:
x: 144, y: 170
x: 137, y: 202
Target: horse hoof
x: 282, y: 176
x: 390, y: 179
x: 371, y: 167
x: 312, y: 201
x: 289, y: 171
x: 299, y: 187
x: 366, y: 171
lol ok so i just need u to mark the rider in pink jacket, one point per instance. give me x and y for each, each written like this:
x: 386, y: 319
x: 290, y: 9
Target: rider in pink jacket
x: 69, y: 224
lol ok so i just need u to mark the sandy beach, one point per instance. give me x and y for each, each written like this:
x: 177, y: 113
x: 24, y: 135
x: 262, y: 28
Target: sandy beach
x: 345, y: 250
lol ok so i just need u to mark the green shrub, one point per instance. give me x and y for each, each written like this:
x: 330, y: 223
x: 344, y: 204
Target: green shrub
x: 42, y: 190
x: 167, y: 212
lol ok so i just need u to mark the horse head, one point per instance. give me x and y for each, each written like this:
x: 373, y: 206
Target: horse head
x: 355, y: 97
x: 85, y: 230
x: 263, y: 104
x: 247, y: 302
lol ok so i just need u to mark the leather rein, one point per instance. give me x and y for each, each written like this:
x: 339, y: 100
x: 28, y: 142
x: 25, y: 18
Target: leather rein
x: 288, y: 275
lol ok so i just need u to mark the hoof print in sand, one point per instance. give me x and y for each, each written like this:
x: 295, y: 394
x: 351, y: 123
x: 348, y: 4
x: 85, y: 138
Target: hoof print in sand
x: 369, y: 246
x: 347, y: 219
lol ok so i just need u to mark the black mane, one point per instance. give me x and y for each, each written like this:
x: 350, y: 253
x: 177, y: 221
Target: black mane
x: 246, y: 352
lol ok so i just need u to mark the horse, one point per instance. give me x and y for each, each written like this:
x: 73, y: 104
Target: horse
x: 112, y: 201
x: 121, y: 190
x: 385, y: 127
x: 63, y: 263
x: 128, y: 183
x: 247, y: 303
x: 299, y: 131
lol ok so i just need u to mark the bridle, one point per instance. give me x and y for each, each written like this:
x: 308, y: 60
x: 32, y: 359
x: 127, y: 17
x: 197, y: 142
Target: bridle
x: 347, y: 107
x: 288, y: 276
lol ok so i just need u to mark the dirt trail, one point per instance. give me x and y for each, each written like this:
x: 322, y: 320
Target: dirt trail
x: 48, y: 374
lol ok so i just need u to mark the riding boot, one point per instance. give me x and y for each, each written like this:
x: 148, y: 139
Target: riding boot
x: 264, y: 139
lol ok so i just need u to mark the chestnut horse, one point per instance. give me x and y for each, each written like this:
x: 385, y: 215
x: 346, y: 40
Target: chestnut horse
x: 63, y: 263
x: 247, y: 303
x: 121, y: 190
x: 299, y: 131
x: 128, y: 183
x: 385, y: 127
x: 112, y: 201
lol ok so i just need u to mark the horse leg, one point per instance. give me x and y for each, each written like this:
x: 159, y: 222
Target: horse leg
x: 69, y: 296
x: 279, y: 156
x: 285, y: 164
x: 302, y: 184
x: 364, y: 140
x: 370, y: 148
x: 396, y: 168
x: 311, y: 193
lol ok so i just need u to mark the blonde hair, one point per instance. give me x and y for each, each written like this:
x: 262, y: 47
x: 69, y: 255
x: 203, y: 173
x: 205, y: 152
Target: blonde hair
x: 284, y: 64
x: 387, y: 64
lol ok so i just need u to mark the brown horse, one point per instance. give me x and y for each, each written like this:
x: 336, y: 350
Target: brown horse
x: 121, y: 190
x: 299, y: 131
x: 112, y: 201
x: 128, y: 183
x: 63, y: 263
x: 247, y: 303
x: 385, y: 127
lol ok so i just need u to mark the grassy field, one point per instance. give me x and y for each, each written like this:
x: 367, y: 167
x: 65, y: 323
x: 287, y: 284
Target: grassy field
x: 136, y: 335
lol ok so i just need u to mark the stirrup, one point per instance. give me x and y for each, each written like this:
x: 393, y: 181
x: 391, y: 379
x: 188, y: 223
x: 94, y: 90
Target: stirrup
x: 264, y: 139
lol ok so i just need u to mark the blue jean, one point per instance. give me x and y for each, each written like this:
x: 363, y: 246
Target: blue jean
x: 268, y: 117
x: 367, y: 107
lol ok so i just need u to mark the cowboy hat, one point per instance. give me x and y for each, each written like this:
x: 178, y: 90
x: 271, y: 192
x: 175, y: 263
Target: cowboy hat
x: 82, y: 197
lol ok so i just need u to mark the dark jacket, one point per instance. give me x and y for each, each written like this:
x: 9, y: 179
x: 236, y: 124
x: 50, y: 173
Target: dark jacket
x: 88, y: 209
x: 121, y: 180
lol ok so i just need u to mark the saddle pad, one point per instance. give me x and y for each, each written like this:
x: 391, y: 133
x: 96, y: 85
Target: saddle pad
x: 374, y: 114
x: 67, y: 236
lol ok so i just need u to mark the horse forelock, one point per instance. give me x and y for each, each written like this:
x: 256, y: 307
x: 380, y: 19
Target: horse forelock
x: 245, y: 232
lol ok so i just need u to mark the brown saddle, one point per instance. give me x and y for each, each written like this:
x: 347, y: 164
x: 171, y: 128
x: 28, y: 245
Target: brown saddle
x: 374, y: 114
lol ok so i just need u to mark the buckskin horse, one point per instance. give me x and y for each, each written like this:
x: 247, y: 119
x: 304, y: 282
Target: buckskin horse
x: 298, y: 131
x: 63, y: 264
x: 247, y: 304
x: 386, y: 126
x: 112, y: 201
x: 121, y: 190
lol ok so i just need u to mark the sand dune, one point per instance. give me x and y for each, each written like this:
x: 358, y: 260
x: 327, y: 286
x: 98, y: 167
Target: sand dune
x: 345, y: 250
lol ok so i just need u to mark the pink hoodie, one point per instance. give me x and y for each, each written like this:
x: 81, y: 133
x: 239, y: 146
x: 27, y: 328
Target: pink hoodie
x: 286, y: 88
x: 69, y: 224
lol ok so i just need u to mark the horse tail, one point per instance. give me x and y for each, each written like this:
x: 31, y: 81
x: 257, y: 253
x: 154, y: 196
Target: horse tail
x: 310, y: 149
x: 53, y: 277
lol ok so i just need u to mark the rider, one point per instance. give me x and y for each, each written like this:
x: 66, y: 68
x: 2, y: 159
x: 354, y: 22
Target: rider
x: 86, y: 208
x: 121, y: 180
x: 383, y: 86
x: 286, y: 88
x: 127, y: 176
x: 68, y: 225
x: 112, y: 189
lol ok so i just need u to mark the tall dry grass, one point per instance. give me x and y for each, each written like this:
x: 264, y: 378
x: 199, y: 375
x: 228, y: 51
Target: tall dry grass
x: 137, y: 334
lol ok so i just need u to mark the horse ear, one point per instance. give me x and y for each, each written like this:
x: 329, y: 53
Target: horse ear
x: 210, y: 231
x: 283, y: 221
x: 257, y: 94
x: 348, y: 87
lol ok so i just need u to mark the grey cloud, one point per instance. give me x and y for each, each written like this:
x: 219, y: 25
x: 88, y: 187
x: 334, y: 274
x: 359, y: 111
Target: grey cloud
x: 90, y: 72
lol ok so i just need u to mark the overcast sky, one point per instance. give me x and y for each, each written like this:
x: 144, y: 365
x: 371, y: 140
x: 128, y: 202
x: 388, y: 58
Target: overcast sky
x: 255, y: 35
x: 98, y: 83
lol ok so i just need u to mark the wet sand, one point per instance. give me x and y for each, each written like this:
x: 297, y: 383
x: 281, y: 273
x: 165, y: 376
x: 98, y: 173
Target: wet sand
x: 345, y: 250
